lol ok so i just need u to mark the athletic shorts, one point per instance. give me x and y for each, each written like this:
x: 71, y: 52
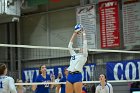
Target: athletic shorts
x: 74, y: 77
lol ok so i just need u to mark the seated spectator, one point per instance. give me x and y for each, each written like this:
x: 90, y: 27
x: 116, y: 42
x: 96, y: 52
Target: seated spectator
x: 135, y: 86
x: 57, y: 80
x: 93, y: 88
x: 84, y: 88
x: 61, y: 87
x: 20, y: 88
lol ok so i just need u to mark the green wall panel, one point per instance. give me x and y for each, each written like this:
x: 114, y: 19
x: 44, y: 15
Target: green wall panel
x: 36, y: 2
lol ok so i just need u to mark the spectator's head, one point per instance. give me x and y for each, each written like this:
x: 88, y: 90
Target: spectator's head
x: 84, y: 84
x: 3, y: 69
x: 19, y: 86
x: 59, y: 76
x: 102, y: 78
x: 19, y: 81
x: 42, y: 69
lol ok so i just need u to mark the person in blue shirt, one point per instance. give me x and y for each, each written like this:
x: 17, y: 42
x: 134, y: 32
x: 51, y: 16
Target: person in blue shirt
x: 84, y: 88
x: 62, y: 86
x: 42, y: 77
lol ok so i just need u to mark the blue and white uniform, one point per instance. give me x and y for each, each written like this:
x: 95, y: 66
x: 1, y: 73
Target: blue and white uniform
x: 77, y: 62
x: 107, y: 88
x: 43, y: 88
x: 7, y: 84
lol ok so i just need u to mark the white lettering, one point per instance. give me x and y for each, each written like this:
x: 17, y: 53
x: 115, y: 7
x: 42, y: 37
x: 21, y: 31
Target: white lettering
x: 29, y: 75
x: 138, y: 69
x: 116, y: 71
x: 37, y: 72
x: 88, y: 72
x: 133, y: 71
x: 92, y: 71
x: 50, y: 70
x: 60, y: 71
x: 82, y: 75
x: 109, y: 4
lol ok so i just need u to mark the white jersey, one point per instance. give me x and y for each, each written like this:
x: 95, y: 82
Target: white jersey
x: 57, y: 80
x: 77, y: 60
x: 107, y: 88
x: 7, y: 85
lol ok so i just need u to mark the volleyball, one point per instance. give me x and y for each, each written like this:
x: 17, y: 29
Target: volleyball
x: 78, y: 28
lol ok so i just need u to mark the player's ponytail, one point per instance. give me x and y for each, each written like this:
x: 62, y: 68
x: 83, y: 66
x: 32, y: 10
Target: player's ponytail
x: 105, y: 78
x: 40, y: 69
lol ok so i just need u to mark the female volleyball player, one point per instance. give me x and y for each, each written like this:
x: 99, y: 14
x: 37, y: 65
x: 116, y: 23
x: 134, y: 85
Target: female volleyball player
x: 42, y: 77
x: 77, y: 61
x: 7, y: 84
x: 104, y: 86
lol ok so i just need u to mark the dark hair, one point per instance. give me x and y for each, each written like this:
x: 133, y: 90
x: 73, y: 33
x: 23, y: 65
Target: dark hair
x: 105, y: 77
x: 40, y: 69
x: 65, y: 68
x: 2, y: 68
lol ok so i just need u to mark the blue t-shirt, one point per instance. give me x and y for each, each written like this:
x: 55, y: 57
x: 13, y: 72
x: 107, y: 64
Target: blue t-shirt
x: 84, y: 89
x: 42, y: 88
x: 63, y: 85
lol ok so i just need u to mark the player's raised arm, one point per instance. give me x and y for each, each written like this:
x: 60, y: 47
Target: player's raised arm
x: 77, y: 29
x: 71, y: 43
x: 85, y: 50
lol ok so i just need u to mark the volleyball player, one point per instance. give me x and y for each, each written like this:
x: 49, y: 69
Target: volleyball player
x: 104, y: 86
x: 77, y: 61
x: 42, y: 77
x: 7, y: 84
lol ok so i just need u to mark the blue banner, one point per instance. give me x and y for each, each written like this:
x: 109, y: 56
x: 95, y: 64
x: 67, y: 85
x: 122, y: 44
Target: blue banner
x: 30, y: 74
x: 123, y: 70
